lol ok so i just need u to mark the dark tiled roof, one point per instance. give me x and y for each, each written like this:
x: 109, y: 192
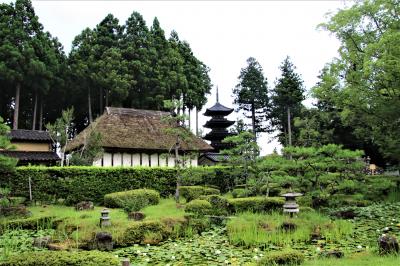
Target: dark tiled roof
x: 126, y: 128
x: 218, y: 109
x: 31, y: 155
x: 24, y: 134
x: 216, y: 157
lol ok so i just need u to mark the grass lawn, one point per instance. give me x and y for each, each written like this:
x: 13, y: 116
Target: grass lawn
x: 359, y: 259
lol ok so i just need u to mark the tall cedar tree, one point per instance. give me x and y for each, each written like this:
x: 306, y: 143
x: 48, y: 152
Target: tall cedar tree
x: 252, y: 96
x: 286, y: 102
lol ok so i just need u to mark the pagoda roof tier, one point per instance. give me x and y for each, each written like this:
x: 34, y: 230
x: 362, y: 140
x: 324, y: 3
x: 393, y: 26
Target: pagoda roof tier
x: 215, y: 135
x: 219, y: 123
x: 218, y: 109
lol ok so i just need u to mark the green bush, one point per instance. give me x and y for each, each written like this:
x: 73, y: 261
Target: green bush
x: 274, y: 190
x: 82, y: 183
x: 220, y: 205
x: 140, y: 232
x: 284, y: 257
x: 256, y: 204
x: 62, y: 258
x: 194, y: 192
x: 240, y: 193
x: 198, y: 207
x: 132, y: 200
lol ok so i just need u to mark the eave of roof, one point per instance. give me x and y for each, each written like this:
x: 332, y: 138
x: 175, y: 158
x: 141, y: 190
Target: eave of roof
x: 24, y: 134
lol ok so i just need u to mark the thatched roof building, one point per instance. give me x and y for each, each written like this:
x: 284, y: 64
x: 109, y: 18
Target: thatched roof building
x: 137, y: 136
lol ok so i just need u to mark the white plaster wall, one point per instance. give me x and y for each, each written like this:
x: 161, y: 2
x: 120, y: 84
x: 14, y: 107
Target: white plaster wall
x: 126, y: 159
x: 163, y: 160
x: 171, y: 161
x: 117, y: 159
x: 136, y: 159
x: 97, y: 162
x: 145, y: 159
x: 194, y: 161
x: 107, y: 159
x: 154, y: 160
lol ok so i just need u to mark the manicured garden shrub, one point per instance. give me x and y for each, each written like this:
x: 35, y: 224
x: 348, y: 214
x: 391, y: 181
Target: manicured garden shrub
x: 256, y: 204
x: 142, y: 232
x: 219, y: 204
x: 62, y: 258
x: 240, y: 193
x: 198, y: 207
x: 194, y: 192
x: 274, y: 190
x: 284, y: 257
x: 90, y: 183
x: 132, y: 200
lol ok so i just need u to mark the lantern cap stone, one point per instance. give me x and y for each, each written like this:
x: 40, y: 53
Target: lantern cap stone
x: 292, y: 194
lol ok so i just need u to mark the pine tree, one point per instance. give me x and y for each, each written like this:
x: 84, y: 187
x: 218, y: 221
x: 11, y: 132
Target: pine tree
x: 251, y: 95
x: 286, y: 101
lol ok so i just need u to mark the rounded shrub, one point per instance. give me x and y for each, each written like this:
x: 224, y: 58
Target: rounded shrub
x: 143, y: 232
x: 62, y: 258
x: 198, y: 207
x: 194, y: 192
x: 240, y: 193
x: 284, y: 257
x: 132, y: 200
x: 219, y: 204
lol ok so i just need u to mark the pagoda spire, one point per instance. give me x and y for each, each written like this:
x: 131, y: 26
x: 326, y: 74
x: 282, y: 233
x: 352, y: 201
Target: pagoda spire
x: 217, y: 95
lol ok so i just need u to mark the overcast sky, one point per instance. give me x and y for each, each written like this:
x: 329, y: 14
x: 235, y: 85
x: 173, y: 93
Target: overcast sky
x: 223, y: 34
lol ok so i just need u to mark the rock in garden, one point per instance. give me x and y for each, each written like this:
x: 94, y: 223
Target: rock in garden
x: 388, y: 244
x: 333, y: 254
x: 103, y: 241
x: 84, y: 205
x: 41, y: 242
x: 56, y: 246
x: 288, y: 226
x: 137, y: 216
x: 345, y: 214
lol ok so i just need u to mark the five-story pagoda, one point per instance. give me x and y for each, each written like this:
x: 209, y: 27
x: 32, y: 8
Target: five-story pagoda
x: 218, y: 125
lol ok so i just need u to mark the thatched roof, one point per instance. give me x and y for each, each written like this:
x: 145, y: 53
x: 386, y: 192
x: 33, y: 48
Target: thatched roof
x: 133, y: 129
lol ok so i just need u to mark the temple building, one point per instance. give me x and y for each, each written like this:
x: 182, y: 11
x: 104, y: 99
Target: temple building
x: 219, y: 130
x: 33, y: 147
x: 133, y: 137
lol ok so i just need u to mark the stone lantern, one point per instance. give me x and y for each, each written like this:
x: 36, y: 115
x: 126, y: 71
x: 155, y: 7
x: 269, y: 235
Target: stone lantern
x: 290, y: 205
x: 105, y: 218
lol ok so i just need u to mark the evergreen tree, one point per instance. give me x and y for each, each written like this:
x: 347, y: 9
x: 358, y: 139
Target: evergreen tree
x: 7, y: 164
x: 251, y: 95
x: 286, y: 102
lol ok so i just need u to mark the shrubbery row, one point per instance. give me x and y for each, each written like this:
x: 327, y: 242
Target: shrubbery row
x: 132, y: 200
x: 75, y: 184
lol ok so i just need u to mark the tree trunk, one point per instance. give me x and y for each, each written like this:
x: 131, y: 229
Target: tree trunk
x: 16, y: 107
x: 197, y: 121
x: 101, y: 108
x: 90, y: 107
x: 41, y: 114
x: 289, y: 126
x: 189, y: 119
x: 34, y: 111
x: 253, y: 121
x: 106, y: 98
x: 289, y: 131
x: 177, y: 165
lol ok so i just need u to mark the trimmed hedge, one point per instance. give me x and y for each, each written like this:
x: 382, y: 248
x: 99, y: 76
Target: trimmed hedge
x: 62, y: 258
x: 198, y: 207
x: 256, y: 204
x: 140, y: 232
x: 194, y: 192
x: 283, y: 257
x: 220, y: 204
x: 132, y: 200
x: 82, y: 183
